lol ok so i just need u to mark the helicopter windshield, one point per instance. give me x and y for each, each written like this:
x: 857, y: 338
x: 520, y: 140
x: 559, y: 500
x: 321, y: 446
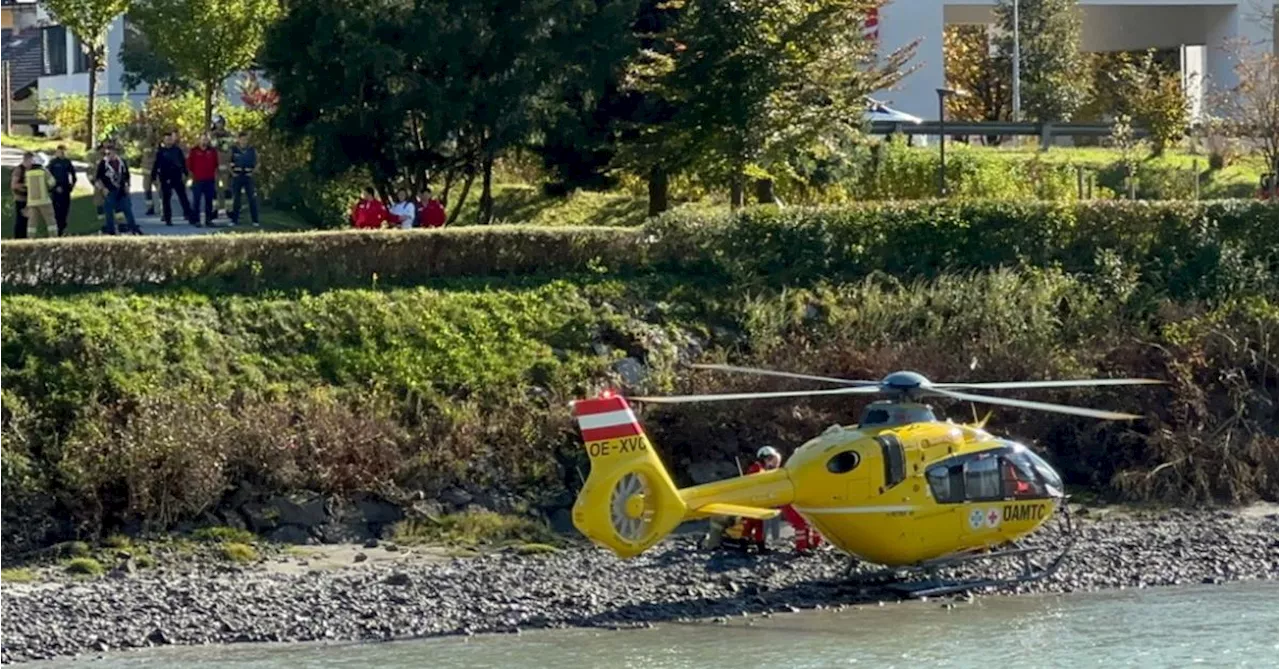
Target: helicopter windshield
x: 1010, y: 472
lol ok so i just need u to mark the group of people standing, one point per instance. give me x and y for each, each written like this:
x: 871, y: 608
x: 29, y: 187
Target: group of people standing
x: 214, y: 174
x: 423, y: 211
x: 219, y: 168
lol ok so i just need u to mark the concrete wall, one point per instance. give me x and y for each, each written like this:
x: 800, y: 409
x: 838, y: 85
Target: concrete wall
x: 1107, y: 25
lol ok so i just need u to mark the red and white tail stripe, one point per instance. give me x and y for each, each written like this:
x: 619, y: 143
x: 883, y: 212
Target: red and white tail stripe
x: 605, y: 418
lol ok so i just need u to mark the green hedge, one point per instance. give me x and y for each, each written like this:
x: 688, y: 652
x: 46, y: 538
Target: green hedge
x: 312, y: 259
x: 1183, y: 249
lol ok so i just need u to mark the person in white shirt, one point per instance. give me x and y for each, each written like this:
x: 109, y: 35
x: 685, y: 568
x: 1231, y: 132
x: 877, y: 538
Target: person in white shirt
x: 403, y: 210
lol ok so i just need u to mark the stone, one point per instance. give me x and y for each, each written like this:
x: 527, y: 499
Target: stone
x: 372, y: 543
x: 360, y: 557
x: 632, y: 371
x: 426, y: 509
x: 456, y: 497
x: 390, y: 547
x: 301, y: 511
x: 398, y: 578
x: 158, y: 637
x: 376, y: 511
x: 561, y: 521
x: 289, y: 534
x: 259, y: 517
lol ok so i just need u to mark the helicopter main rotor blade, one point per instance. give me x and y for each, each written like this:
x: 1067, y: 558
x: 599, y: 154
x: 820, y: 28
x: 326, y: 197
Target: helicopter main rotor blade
x: 1078, y: 383
x: 726, y: 397
x: 785, y: 375
x: 1040, y: 406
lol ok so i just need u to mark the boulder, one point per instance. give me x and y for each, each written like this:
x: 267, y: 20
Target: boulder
x: 306, y: 512
x: 456, y: 497
x: 632, y: 371
x: 260, y: 517
x: 376, y: 511
x: 290, y: 534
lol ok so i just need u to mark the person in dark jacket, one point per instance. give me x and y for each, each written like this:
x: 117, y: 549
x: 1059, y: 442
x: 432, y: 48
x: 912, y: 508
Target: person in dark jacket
x: 244, y: 161
x: 64, y: 181
x: 203, y: 163
x: 113, y: 175
x: 170, y: 170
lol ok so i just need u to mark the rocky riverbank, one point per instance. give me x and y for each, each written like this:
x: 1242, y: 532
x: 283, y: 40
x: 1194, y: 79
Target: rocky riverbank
x: 425, y: 593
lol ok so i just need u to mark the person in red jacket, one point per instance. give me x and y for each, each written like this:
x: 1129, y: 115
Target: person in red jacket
x: 202, y: 162
x: 431, y: 212
x: 369, y: 212
x: 806, y: 537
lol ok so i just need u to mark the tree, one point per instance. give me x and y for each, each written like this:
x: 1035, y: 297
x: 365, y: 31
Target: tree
x: 1051, y: 66
x: 753, y: 80
x: 428, y: 90
x: 1250, y: 109
x: 205, y: 41
x: 89, y: 20
x: 142, y: 65
x: 974, y: 67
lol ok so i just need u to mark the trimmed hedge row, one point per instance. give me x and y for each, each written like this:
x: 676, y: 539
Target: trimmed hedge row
x: 1196, y: 249
x: 314, y: 259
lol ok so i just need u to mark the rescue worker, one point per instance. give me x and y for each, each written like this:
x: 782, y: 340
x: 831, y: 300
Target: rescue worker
x: 369, y: 213
x: 767, y: 458
x: 223, y: 142
x: 39, y: 200
x: 244, y: 160
x: 18, y: 189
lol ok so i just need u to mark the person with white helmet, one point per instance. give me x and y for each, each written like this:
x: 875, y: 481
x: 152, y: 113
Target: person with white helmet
x: 767, y: 458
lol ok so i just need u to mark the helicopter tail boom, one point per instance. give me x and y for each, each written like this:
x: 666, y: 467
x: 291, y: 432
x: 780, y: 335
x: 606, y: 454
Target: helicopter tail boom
x: 628, y: 502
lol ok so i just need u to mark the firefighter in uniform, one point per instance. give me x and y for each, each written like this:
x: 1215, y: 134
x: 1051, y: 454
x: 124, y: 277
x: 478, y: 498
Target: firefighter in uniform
x: 223, y: 142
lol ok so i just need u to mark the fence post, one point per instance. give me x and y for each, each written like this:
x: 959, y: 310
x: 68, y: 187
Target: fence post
x: 1046, y: 136
x: 1091, y: 178
x: 1079, y: 182
x: 1195, y: 177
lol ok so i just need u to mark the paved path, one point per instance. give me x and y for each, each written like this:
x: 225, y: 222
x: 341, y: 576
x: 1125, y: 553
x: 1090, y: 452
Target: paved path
x: 151, y: 225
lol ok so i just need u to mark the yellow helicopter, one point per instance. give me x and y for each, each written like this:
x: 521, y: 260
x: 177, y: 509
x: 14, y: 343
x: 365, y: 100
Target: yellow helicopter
x: 900, y: 489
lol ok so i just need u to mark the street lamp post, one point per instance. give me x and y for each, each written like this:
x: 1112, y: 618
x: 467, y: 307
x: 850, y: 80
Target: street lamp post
x: 1017, y: 67
x: 942, y: 139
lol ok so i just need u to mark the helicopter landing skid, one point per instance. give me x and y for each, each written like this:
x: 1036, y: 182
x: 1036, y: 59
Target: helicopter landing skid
x: 901, y: 580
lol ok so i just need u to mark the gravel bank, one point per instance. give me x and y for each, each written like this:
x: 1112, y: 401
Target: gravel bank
x: 576, y: 587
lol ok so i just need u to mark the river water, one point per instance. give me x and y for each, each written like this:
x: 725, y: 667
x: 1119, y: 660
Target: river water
x: 1233, y: 625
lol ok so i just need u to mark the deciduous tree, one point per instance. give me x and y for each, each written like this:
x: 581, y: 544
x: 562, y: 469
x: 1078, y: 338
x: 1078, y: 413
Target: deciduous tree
x: 205, y: 41
x: 1052, y: 66
x: 89, y: 20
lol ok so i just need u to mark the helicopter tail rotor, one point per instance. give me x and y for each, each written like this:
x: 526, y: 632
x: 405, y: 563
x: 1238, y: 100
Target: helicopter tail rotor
x: 628, y: 502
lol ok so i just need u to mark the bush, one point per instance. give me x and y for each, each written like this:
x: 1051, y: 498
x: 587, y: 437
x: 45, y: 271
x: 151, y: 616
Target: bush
x: 238, y: 552
x: 228, y: 534
x: 1205, y: 250
x: 84, y: 566
x: 475, y: 528
x: 70, y: 114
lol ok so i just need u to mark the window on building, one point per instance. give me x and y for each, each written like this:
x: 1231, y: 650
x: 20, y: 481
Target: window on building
x: 54, y: 46
x: 79, y: 56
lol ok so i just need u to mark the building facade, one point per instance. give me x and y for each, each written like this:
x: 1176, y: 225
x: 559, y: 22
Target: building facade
x: 1199, y: 28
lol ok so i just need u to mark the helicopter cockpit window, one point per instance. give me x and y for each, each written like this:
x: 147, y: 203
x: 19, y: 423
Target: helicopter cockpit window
x: 1019, y: 476
x: 982, y: 477
x: 875, y: 417
x: 946, y: 482
x: 1052, y: 482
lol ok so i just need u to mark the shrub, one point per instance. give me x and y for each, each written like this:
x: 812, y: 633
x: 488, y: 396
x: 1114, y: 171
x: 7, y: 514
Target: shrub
x: 17, y: 575
x: 84, y: 566
x: 70, y: 114
x: 227, y: 534
x: 238, y: 552
x: 473, y: 528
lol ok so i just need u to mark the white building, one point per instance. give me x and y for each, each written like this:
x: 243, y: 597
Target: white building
x: 1200, y: 27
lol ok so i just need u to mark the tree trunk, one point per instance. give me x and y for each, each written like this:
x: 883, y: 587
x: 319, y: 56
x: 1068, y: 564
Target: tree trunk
x: 208, y: 107
x: 486, y: 193
x: 736, y: 191
x: 764, y: 192
x: 93, y: 94
x: 658, y: 190
x: 462, y: 198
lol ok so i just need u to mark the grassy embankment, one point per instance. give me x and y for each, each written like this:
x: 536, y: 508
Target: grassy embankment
x: 246, y: 368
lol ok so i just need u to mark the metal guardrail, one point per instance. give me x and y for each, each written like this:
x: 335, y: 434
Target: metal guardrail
x: 1045, y: 131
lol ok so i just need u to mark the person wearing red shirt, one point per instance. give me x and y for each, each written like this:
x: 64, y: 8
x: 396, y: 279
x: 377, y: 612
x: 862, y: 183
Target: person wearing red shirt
x: 202, y: 162
x: 806, y: 537
x: 431, y: 212
x: 369, y: 212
